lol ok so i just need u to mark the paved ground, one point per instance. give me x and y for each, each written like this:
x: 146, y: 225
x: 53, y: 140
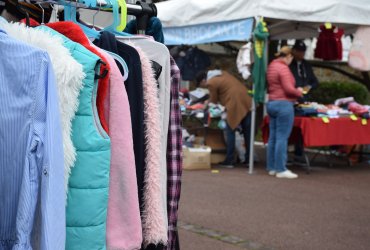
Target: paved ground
x: 328, y: 209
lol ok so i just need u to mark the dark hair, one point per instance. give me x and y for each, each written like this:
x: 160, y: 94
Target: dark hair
x: 300, y: 45
x: 202, y: 75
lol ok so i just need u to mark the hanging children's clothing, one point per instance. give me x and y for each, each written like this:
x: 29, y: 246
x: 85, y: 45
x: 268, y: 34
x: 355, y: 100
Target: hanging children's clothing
x: 153, y: 219
x: 329, y: 43
x: 31, y: 151
x: 359, y: 55
x: 86, y: 210
x: 159, y: 53
x: 69, y: 76
x: 134, y: 88
x: 174, y: 159
x: 124, y: 229
x: 97, y: 140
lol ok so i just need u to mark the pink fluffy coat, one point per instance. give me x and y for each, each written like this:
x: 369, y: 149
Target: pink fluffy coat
x: 154, y: 220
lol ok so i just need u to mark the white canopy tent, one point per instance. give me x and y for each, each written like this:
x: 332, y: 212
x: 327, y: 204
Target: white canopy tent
x: 287, y: 19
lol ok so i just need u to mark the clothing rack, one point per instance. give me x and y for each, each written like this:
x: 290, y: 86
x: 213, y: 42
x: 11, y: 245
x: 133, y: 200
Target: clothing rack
x: 142, y: 10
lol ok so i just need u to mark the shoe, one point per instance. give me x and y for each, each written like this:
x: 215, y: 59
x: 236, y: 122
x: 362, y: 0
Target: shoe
x: 272, y: 172
x: 226, y: 164
x: 287, y: 174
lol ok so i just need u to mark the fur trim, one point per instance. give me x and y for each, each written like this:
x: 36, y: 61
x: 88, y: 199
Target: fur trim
x: 75, y: 33
x: 153, y: 218
x: 69, y: 76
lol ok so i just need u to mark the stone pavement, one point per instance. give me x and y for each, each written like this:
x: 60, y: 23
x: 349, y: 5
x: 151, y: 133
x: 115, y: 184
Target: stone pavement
x: 328, y: 209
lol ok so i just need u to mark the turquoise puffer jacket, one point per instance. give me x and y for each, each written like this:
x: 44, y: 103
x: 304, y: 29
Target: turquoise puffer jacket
x: 89, y: 180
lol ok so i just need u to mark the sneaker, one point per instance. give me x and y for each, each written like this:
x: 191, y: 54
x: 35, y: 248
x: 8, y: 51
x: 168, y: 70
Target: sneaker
x: 272, y: 172
x: 287, y: 174
x: 226, y: 165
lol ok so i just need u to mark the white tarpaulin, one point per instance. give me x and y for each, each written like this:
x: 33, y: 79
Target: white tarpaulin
x: 287, y: 18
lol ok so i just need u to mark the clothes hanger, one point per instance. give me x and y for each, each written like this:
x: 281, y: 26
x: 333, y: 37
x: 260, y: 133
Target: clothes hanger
x: 55, y: 8
x: 93, y: 24
x: 123, y: 7
x: 43, y: 14
x: 70, y: 15
x: 118, y: 21
x: 122, y: 62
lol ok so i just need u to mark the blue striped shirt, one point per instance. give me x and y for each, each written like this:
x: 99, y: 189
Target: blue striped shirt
x: 32, y: 198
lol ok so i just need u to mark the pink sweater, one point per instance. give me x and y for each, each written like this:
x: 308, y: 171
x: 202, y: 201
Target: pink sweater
x: 124, y: 231
x: 281, y: 82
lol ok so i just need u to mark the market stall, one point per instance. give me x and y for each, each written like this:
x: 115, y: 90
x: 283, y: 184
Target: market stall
x: 286, y: 18
x: 328, y: 127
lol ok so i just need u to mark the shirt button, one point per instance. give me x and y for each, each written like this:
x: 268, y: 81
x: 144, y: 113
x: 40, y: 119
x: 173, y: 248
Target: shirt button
x: 45, y: 172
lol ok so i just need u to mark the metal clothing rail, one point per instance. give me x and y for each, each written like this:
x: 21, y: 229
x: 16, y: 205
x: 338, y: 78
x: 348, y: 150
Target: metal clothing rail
x: 142, y: 10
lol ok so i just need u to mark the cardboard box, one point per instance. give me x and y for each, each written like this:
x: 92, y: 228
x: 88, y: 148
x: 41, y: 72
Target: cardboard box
x: 215, y: 139
x: 197, y: 158
x: 217, y: 158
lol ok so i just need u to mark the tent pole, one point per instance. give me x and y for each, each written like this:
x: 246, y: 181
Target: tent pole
x: 253, y: 121
x: 251, y: 145
x: 254, y: 112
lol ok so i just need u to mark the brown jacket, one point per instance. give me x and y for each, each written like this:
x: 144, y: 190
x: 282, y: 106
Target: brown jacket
x: 231, y: 93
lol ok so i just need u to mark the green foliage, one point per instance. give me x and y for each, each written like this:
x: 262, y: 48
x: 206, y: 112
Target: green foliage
x: 328, y: 92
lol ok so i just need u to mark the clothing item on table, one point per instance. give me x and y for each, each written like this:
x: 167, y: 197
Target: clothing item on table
x: 329, y: 44
x: 69, y: 76
x: 281, y: 82
x: 87, y: 200
x: 32, y: 211
x: 174, y: 159
x: 134, y: 89
x: 281, y: 114
x: 357, y: 108
x: 301, y: 111
x: 159, y: 53
x: 124, y: 229
x: 232, y: 94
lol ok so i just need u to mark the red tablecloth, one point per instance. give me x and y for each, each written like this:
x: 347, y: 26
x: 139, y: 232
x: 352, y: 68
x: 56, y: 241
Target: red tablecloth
x: 339, y: 131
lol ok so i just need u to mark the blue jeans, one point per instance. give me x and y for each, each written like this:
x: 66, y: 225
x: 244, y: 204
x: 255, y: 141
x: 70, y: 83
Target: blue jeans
x: 230, y: 139
x: 281, y: 115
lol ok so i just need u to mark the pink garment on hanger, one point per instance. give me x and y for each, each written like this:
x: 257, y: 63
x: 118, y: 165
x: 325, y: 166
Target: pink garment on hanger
x: 124, y: 229
x: 359, y: 55
x: 154, y: 219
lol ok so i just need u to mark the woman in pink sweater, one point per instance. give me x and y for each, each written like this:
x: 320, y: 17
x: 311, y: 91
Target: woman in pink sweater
x: 282, y: 95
